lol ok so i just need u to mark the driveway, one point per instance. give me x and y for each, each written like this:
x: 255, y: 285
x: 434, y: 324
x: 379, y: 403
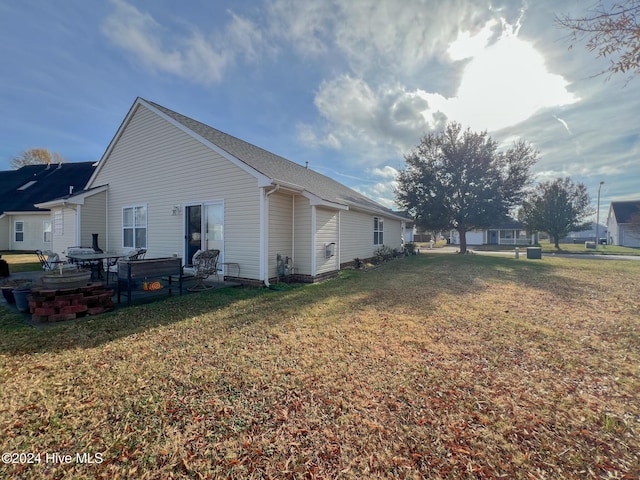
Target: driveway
x: 523, y: 253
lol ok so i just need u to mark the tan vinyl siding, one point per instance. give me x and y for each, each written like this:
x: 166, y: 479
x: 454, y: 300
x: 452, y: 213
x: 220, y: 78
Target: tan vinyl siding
x: 326, y: 232
x: 302, y: 232
x: 5, y: 232
x: 156, y: 164
x: 66, y: 237
x: 92, y: 220
x: 357, y: 235
x: 393, y: 233
x: 280, y: 229
x: 33, y: 232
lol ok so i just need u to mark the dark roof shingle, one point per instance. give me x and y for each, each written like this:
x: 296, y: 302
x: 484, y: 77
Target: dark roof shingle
x: 624, y: 211
x: 21, y: 189
x: 276, y: 167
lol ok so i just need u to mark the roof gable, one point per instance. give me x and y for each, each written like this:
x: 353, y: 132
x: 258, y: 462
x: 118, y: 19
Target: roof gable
x: 267, y: 167
x: 21, y: 189
x: 625, y: 211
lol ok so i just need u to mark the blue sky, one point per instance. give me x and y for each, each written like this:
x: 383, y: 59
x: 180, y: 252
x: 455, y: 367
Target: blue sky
x: 349, y: 87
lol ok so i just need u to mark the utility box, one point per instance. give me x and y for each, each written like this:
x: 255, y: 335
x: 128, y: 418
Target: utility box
x: 534, y: 253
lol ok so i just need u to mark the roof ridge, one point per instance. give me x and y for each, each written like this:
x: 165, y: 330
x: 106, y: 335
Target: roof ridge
x: 274, y: 166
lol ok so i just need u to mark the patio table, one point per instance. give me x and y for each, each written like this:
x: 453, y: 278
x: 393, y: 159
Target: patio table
x: 91, y: 258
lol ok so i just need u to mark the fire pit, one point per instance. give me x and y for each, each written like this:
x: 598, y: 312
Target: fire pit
x: 57, y: 280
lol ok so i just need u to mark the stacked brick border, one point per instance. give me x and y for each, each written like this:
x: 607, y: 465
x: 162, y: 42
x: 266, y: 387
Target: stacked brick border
x: 47, y: 305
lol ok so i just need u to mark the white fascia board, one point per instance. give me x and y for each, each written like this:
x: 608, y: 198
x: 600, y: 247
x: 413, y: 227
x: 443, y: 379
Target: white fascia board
x: 73, y: 200
x: 25, y: 213
x: 316, y: 201
x: 380, y: 213
x: 292, y: 187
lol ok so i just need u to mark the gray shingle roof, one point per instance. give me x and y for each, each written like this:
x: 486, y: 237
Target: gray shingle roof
x: 21, y: 189
x: 277, y: 168
x: 624, y: 211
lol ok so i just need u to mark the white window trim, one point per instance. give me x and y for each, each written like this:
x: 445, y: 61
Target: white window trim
x: 16, y: 231
x: 135, y: 227
x: 44, y: 231
x: 379, y: 230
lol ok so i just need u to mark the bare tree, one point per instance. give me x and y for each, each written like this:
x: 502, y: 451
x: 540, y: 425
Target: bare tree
x: 612, y: 31
x: 35, y: 156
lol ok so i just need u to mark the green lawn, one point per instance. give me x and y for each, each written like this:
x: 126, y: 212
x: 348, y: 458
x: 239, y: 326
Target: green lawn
x: 567, y: 248
x: 21, y: 261
x: 431, y: 366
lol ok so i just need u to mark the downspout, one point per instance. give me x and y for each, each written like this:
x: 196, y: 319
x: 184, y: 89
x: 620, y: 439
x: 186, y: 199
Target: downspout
x: 293, y: 232
x: 78, y: 224
x: 265, y: 233
x: 339, y: 239
x: 313, y: 242
x: 106, y: 219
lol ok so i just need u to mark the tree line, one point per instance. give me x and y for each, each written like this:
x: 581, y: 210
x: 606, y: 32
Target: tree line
x: 35, y: 156
x: 459, y: 180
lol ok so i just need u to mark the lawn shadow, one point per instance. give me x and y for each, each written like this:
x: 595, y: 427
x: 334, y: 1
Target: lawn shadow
x: 423, y: 275
x: 434, y: 274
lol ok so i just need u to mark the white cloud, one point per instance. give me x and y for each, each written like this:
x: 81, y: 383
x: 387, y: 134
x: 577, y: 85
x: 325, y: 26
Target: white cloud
x: 386, y: 37
x: 302, y: 25
x: 381, y: 191
x: 246, y: 38
x: 504, y: 83
x: 468, y: 45
x: 507, y: 83
x: 376, y: 123
x: 191, y: 54
x: 308, y: 136
x: 385, y: 172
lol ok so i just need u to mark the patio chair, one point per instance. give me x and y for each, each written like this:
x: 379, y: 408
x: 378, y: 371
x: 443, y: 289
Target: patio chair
x: 51, y: 261
x: 203, y: 265
x: 111, y: 265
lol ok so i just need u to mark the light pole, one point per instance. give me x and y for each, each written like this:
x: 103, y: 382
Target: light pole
x: 598, y: 216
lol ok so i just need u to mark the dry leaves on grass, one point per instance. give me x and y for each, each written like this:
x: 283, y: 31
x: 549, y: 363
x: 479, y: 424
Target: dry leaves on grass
x: 428, y: 367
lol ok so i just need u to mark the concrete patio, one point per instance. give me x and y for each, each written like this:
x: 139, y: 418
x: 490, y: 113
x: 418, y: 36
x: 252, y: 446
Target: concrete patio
x: 139, y: 296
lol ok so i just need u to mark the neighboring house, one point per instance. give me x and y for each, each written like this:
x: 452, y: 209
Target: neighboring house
x: 22, y: 225
x: 173, y: 185
x: 510, y: 233
x: 588, y: 235
x: 623, y: 223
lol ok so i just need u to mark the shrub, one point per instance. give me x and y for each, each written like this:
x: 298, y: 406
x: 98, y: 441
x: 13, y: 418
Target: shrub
x: 383, y: 254
x: 410, y: 248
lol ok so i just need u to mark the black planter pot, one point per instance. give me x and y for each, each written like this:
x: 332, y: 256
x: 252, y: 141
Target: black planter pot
x: 7, y: 293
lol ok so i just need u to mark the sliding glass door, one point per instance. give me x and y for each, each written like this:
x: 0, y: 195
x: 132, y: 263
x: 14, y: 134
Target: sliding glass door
x: 204, y: 228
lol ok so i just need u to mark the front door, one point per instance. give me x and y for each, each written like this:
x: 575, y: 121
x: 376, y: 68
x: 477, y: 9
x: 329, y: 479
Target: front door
x: 204, y: 229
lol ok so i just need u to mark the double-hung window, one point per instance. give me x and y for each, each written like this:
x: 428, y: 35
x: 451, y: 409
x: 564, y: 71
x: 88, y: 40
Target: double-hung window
x: 134, y: 227
x: 19, y: 231
x: 46, y: 229
x: 378, y: 231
